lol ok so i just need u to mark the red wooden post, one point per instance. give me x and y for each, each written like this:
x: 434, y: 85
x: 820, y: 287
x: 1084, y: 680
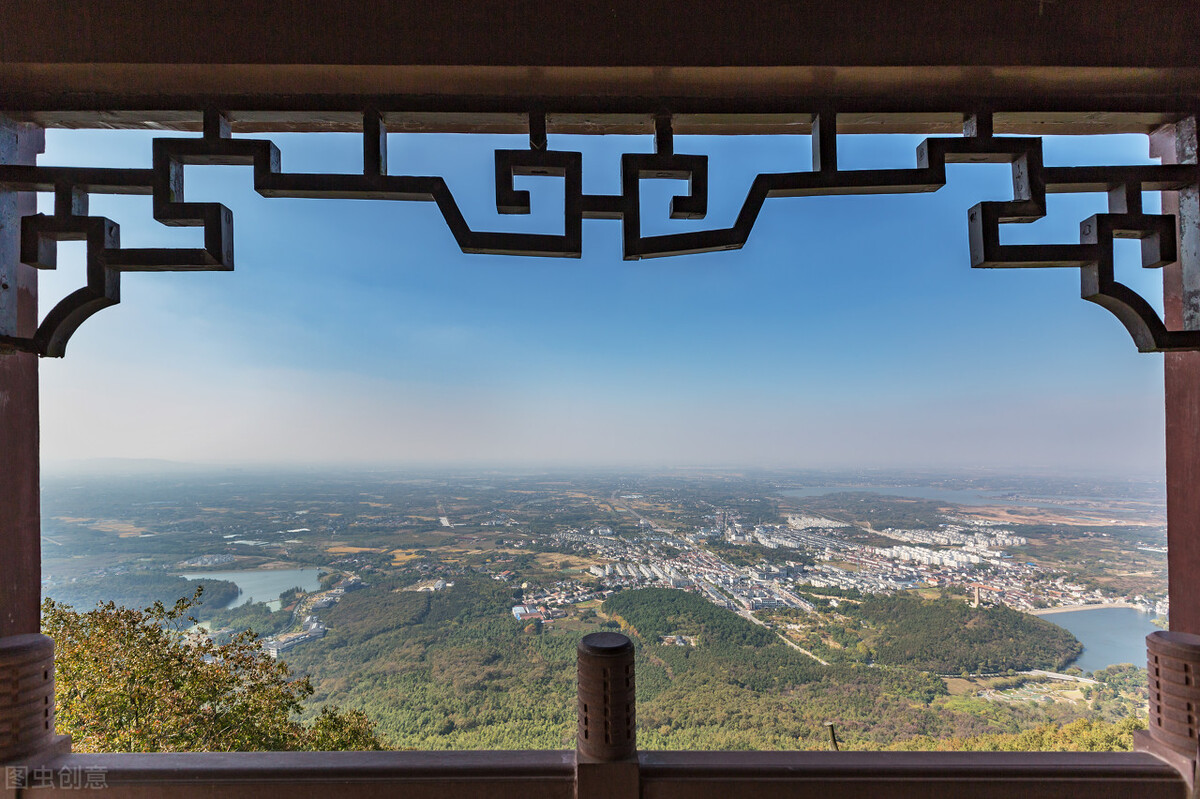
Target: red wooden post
x: 20, y: 517
x: 26, y: 656
x: 1171, y: 656
x: 1181, y: 297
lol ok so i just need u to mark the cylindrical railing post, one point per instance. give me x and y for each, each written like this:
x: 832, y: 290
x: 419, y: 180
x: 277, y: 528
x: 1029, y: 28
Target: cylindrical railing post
x: 1173, y: 663
x: 27, y: 710
x: 607, y: 715
x: 606, y: 762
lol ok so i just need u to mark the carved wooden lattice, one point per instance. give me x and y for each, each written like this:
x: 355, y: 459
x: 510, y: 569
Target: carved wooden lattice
x: 1093, y: 255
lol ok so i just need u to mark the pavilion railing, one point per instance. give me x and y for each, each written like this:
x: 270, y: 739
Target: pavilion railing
x: 605, y: 765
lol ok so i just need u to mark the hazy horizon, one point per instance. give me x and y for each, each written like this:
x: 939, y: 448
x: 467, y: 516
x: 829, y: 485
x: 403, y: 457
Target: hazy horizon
x: 133, y: 467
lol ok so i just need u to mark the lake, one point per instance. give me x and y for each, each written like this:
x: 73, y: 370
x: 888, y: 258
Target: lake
x: 263, y: 585
x: 1108, y: 635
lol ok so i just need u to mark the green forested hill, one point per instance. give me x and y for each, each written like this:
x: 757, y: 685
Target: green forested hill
x: 947, y: 636
x: 655, y: 612
x: 445, y: 670
x: 454, y: 670
x: 141, y: 589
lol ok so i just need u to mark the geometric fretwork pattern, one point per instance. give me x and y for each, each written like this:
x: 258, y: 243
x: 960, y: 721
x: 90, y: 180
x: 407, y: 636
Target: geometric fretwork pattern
x: 106, y: 259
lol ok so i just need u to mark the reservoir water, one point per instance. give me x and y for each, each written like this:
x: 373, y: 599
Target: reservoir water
x: 263, y: 585
x: 1109, y: 635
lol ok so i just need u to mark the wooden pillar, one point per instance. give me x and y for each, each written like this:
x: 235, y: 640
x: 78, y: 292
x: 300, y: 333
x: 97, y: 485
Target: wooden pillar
x: 20, y: 516
x: 1181, y: 298
x: 1171, y: 655
x: 26, y: 656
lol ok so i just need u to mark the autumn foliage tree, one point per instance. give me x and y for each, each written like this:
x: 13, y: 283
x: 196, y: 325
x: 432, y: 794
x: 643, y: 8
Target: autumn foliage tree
x: 1081, y: 735
x: 136, y: 681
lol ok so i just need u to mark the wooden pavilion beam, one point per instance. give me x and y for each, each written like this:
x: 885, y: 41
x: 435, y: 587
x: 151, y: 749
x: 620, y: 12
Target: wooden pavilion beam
x: 617, y: 33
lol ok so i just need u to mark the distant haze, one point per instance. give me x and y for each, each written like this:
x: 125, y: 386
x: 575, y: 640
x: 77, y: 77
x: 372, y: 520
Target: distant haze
x: 291, y: 417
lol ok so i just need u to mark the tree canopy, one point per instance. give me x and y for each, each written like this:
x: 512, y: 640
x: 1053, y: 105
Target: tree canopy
x: 131, y: 680
x: 947, y: 636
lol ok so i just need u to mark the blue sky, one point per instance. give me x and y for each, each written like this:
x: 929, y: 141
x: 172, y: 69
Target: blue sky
x: 849, y: 331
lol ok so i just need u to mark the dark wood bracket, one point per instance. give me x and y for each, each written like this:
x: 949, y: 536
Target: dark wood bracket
x: 1093, y: 255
